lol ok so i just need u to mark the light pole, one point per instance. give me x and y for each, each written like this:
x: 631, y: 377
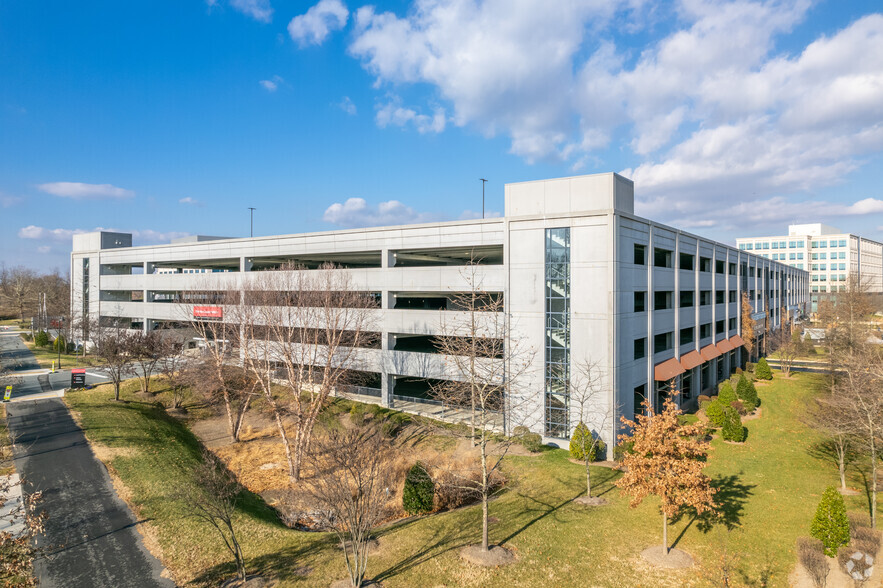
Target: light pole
x: 483, y: 182
x: 251, y: 209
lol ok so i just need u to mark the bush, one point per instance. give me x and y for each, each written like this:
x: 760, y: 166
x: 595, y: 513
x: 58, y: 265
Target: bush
x: 726, y: 395
x: 703, y: 398
x: 456, y: 489
x: 533, y: 442
x: 811, y: 554
x: 732, y: 428
x: 41, y: 339
x: 59, y: 345
x: 418, y: 496
x: 747, y: 393
x: 830, y: 525
x: 357, y: 413
x: 740, y: 407
x: 393, y: 424
x: 763, y: 371
x: 809, y: 347
x: 715, y: 413
x: 581, y: 443
x: 749, y: 367
x: 623, y: 449
x: 739, y: 371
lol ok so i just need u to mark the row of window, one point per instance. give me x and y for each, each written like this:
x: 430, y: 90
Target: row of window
x: 664, y: 299
x: 821, y: 266
x: 783, y: 256
x: 834, y: 278
x: 665, y: 258
x: 760, y: 245
x: 665, y: 341
x: 825, y: 288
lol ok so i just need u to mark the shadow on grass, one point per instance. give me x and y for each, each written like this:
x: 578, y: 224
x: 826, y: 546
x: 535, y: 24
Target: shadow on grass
x: 439, y: 542
x: 731, y: 497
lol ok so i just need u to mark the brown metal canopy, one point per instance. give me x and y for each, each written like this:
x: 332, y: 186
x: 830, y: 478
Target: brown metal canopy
x: 667, y: 370
x: 724, y: 346
x: 691, y: 360
x: 737, y: 341
x: 709, y: 352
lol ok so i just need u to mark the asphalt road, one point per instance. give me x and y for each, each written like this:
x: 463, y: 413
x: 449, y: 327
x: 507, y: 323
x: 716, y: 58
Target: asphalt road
x: 91, y: 538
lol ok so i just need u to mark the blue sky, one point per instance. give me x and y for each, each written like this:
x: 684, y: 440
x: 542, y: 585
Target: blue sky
x: 172, y: 117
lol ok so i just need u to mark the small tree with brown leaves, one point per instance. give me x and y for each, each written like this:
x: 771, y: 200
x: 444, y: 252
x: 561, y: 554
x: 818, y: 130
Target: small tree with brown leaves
x: 748, y: 324
x: 23, y: 523
x: 353, y: 476
x: 666, y: 460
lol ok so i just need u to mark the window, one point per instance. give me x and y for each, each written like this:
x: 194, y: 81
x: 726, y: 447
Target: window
x: 741, y: 246
x: 719, y: 297
x: 640, y: 301
x: 661, y: 257
x: 732, y: 324
x: 822, y: 266
x: 687, y: 385
x: 686, y: 298
x: 640, y: 396
x: 662, y: 342
x: 719, y: 266
x: 705, y: 331
x: 823, y: 256
x: 557, y: 360
x: 766, y: 245
x: 686, y: 335
x: 799, y: 266
x: 815, y: 256
x: 641, y: 348
x: 704, y: 297
x: 662, y: 300
x: 704, y: 264
x: 781, y: 244
x: 751, y: 272
x: 732, y: 296
x: 842, y: 243
x: 823, y: 243
x: 685, y: 261
x: 814, y: 244
x: 732, y: 269
x: 800, y: 256
x: 775, y: 244
x: 719, y: 327
x: 640, y: 254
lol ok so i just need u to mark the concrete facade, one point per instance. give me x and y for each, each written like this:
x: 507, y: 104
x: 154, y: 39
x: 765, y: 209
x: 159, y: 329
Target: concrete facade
x: 582, y: 277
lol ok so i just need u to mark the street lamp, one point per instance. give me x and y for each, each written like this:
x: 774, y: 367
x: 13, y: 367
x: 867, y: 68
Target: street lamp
x: 483, y: 182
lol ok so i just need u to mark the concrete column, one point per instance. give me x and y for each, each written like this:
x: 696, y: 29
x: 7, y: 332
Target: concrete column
x: 387, y: 258
x: 245, y: 264
x: 387, y: 380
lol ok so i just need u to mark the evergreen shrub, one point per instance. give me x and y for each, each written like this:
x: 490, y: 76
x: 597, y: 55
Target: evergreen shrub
x: 732, y: 429
x: 418, y: 494
x: 830, y: 525
x: 763, y: 371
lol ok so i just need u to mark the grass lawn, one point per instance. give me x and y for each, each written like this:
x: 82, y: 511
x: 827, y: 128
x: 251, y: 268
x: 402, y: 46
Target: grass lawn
x: 6, y: 466
x: 769, y: 490
x: 46, y: 355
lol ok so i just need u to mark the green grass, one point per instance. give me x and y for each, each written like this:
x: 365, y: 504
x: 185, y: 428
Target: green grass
x: 46, y: 355
x: 770, y: 487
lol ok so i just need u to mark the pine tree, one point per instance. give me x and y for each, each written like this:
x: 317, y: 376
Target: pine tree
x: 582, y: 443
x: 726, y: 395
x: 715, y: 413
x: 419, y: 491
x: 667, y: 461
x: 763, y: 371
x: 747, y: 393
x: 830, y: 525
x: 733, y: 429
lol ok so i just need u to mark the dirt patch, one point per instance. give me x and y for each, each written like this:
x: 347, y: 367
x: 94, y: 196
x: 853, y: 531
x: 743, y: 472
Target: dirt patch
x: 347, y: 583
x: 591, y: 501
x: 761, y: 383
x: 674, y: 559
x: 373, y: 546
x: 734, y: 442
x: 107, y: 454
x: 800, y: 578
x: 849, y: 492
x: 495, y: 556
x: 758, y: 412
x: 250, y: 582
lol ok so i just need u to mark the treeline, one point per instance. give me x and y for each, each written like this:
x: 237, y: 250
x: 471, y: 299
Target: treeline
x: 22, y: 291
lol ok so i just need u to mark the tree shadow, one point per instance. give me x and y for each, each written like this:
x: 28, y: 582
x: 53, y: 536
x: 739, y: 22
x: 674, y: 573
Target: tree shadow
x: 731, y: 497
x: 434, y: 545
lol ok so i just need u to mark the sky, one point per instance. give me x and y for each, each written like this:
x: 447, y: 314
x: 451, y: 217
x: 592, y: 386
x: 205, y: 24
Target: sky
x: 170, y: 118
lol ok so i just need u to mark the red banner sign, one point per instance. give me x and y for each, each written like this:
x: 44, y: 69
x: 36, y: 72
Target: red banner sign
x: 208, y: 312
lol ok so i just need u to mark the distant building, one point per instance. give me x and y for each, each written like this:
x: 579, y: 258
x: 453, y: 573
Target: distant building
x: 581, y: 276
x: 830, y: 255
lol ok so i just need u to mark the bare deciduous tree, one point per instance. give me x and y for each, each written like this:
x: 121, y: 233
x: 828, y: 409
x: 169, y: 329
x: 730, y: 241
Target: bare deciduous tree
x: 146, y: 350
x: 303, y: 328
x: 352, y: 484
x: 830, y: 415
x: 594, y: 410
x: 114, y: 348
x: 786, y: 349
x: 213, y: 498
x: 487, y: 366
x: 173, y: 367
x: 844, y: 315
x: 18, y: 287
x: 667, y: 460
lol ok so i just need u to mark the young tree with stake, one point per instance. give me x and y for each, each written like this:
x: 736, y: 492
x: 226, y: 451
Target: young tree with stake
x: 594, y: 411
x: 667, y: 460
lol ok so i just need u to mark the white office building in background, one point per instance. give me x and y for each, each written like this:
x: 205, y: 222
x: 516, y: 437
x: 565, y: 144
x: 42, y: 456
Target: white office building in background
x: 828, y: 254
x: 582, y: 279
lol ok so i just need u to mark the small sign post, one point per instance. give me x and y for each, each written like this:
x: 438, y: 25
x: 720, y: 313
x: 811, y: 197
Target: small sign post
x: 8, y: 394
x: 78, y: 378
x: 52, y: 371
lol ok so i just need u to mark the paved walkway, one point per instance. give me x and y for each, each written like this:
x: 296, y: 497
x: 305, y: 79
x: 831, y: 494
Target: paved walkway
x: 91, y: 537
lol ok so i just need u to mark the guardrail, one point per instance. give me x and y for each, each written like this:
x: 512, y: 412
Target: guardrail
x: 416, y: 399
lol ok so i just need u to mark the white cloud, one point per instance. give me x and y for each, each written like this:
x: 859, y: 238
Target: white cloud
x: 319, y: 21
x: 10, y: 201
x: 260, y: 10
x: 81, y: 191
x: 392, y: 113
x: 44, y: 249
x: 347, y: 106
x: 356, y: 212
x: 272, y: 84
x: 190, y: 201
x: 709, y: 112
x: 147, y: 236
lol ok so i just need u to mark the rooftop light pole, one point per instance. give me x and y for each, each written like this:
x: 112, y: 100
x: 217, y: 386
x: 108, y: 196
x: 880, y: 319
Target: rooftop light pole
x: 483, y: 182
x: 251, y: 209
